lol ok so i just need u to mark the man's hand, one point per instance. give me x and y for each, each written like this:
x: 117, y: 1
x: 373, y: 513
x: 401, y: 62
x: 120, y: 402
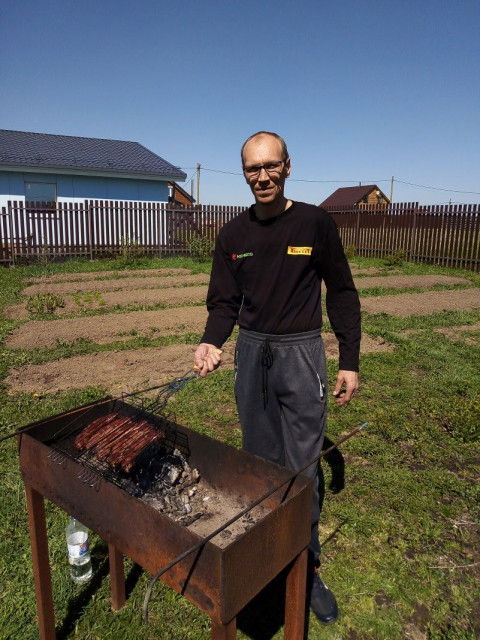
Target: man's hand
x: 346, y: 387
x: 207, y: 358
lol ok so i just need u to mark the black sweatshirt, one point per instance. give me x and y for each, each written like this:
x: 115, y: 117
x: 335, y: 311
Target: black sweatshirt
x: 267, y: 275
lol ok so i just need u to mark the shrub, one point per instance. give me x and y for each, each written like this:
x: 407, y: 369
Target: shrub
x: 350, y: 251
x: 130, y: 249
x: 200, y: 247
x: 44, y: 257
x: 396, y: 258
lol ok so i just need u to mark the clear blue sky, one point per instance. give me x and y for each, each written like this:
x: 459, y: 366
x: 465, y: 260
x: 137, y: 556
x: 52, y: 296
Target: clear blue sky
x: 360, y: 90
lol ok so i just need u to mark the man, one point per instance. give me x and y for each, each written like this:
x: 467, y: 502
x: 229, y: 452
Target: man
x: 267, y: 271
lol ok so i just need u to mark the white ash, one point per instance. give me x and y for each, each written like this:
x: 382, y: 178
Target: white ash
x: 169, y: 484
x: 174, y: 488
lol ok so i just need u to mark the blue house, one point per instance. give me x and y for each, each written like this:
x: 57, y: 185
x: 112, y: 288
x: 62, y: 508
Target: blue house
x: 40, y: 167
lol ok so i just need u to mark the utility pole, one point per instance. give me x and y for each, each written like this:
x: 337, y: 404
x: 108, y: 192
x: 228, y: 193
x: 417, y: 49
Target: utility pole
x: 391, y: 191
x: 198, y: 183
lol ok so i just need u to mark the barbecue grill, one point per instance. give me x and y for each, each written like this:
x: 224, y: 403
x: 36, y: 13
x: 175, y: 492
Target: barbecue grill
x: 220, y: 577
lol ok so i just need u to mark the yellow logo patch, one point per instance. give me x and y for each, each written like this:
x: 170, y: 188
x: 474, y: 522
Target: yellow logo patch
x: 299, y: 251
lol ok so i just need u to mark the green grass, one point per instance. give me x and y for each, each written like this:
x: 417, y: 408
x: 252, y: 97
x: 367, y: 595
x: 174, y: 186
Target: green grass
x: 400, y: 522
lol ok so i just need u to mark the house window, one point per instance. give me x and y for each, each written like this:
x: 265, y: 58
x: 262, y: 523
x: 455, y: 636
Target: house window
x: 43, y: 192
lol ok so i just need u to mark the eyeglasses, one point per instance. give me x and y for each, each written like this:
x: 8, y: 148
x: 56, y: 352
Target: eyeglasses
x: 270, y: 167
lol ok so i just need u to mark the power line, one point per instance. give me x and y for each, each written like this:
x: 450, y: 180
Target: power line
x: 363, y: 182
x: 233, y: 173
x: 423, y: 186
x: 356, y: 182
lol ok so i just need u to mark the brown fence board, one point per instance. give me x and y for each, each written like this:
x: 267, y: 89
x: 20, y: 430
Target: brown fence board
x: 5, y: 243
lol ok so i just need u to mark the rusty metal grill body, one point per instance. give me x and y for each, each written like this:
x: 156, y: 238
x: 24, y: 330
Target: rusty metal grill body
x: 218, y: 580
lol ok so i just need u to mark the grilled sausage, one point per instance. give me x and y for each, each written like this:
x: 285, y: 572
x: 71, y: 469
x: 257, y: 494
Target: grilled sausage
x: 122, y: 451
x: 106, y: 431
x: 133, y: 430
x: 129, y: 460
x: 86, y: 433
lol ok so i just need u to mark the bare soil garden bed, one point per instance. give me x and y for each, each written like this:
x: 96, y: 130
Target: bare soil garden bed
x: 106, y: 294
x: 116, y: 284
x: 425, y: 303
x: 117, y: 371
x: 132, y: 369
x: 403, y: 282
x: 174, y: 296
x: 98, y: 275
x: 109, y: 328
x: 128, y: 370
x: 469, y: 334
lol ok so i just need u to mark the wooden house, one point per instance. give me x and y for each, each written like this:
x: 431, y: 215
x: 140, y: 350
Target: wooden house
x: 177, y: 195
x: 352, y: 197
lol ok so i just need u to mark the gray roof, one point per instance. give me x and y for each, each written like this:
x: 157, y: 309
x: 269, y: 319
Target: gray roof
x: 44, y: 151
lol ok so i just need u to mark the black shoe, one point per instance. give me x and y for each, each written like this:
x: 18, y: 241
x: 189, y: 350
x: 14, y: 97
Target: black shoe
x: 322, y: 601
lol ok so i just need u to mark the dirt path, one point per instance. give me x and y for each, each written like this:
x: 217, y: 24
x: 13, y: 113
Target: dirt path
x: 407, y: 304
x: 130, y: 370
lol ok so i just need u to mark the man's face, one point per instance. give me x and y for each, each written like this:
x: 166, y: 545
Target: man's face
x: 267, y: 186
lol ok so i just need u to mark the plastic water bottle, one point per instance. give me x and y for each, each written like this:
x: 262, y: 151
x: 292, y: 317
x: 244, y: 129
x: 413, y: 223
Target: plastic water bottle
x: 78, y: 551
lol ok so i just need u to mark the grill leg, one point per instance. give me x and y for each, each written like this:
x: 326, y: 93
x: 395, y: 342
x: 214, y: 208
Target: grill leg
x: 224, y: 631
x: 41, y: 564
x: 117, y: 577
x: 295, y: 598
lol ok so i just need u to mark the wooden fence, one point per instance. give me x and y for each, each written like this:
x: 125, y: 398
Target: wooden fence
x: 97, y: 229
x: 444, y: 235
x: 448, y: 235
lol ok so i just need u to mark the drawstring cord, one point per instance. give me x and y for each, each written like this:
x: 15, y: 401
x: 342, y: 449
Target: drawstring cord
x: 267, y: 361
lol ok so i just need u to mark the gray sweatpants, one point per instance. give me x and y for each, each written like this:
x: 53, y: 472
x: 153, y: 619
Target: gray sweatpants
x: 281, y: 394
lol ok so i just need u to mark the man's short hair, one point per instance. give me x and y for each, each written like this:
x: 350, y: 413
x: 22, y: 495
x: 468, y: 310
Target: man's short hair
x: 267, y: 133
